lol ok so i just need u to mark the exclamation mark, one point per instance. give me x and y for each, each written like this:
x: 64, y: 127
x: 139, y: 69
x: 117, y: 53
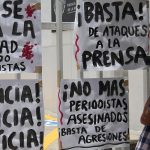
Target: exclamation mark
x: 37, y: 91
x: 41, y: 137
x: 141, y: 11
x: 38, y: 114
x: 65, y: 93
x: 41, y: 140
x: 79, y: 17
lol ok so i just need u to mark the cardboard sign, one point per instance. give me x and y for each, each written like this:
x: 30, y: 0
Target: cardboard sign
x: 69, y: 8
x: 20, y: 33
x: 93, y: 114
x: 112, y: 35
x: 21, y: 115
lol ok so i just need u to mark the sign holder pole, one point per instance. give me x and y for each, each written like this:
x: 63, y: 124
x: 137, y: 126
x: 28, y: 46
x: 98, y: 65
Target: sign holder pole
x: 59, y: 42
x: 59, y: 47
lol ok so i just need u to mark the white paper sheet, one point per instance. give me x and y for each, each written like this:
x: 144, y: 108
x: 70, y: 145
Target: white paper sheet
x: 21, y: 115
x: 93, y: 114
x: 111, y: 35
x: 20, y: 36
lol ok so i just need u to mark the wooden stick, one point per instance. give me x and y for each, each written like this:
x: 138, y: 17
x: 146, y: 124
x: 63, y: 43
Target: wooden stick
x: 38, y: 69
x: 78, y: 67
x: 58, y: 78
x: 126, y: 82
x: 60, y: 144
x: 37, y: 6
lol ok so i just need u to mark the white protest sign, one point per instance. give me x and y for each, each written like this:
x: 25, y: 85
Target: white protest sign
x: 21, y: 115
x: 20, y: 33
x: 93, y: 113
x: 111, y: 35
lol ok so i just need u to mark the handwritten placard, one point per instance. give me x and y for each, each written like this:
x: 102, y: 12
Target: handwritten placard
x: 112, y: 35
x: 20, y: 33
x: 21, y: 115
x: 93, y: 113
